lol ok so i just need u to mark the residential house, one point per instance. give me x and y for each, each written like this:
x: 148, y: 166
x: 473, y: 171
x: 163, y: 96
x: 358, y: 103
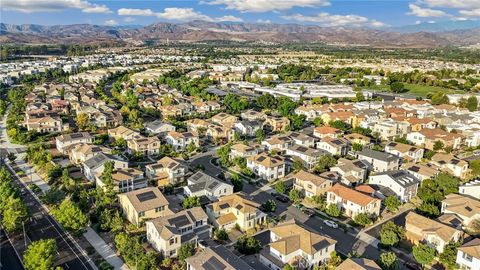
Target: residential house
x: 352, y: 202
x: 147, y: 146
x: 243, y: 151
x: 216, y: 132
x: 44, y: 124
x: 334, y: 146
x: 248, y: 127
x: 95, y: 165
x: 353, y: 172
x: 275, y: 123
x: 166, y: 171
x: 380, y: 161
x: 201, y: 184
x: 308, y: 156
x: 358, y: 264
x: 450, y: 164
x: 63, y: 141
x: 179, y: 141
x: 390, y: 129
x: 311, y: 184
x: 124, y: 179
x: 344, y: 116
x: 267, y: 167
x: 224, y: 119
x: 278, y: 143
x: 471, y: 189
x: 400, y: 182
x: 218, y: 257
x: 168, y: 233
x: 158, y: 127
x: 421, y: 171
x: 405, y: 151
x: 79, y: 153
x: 468, y: 255
x: 235, y: 209
x: 122, y: 132
x: 302, y: 139
x: 420, y: 229
x: 327, y: 132
x: 358, y: 138
x: 466, y: 208
x: 143, y: 204
x: 253, y: 115
x: 427, y: 137
x: 292, y: 243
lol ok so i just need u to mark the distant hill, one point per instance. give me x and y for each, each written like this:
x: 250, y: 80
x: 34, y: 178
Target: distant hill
x: 438, y: 26
x: 204, y: 31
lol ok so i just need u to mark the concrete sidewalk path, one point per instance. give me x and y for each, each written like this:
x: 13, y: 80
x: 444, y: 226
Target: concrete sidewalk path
x: 104, y: 250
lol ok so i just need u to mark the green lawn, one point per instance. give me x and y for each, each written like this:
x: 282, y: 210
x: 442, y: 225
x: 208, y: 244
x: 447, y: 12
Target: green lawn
x: 417, y: 89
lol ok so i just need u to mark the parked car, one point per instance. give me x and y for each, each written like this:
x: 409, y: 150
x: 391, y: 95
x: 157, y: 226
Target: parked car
x: 308, y: 212
x: 330, y: 223
x: 281, y: 198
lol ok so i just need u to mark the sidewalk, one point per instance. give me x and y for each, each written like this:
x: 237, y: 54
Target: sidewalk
x: 104, y: 250
x: 92, y: 237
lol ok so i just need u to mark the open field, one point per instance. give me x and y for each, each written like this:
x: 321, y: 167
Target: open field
x: 417, y: 89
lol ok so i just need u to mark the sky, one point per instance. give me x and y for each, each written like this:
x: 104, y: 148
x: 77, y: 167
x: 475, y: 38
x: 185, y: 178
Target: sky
x: 363, y: 13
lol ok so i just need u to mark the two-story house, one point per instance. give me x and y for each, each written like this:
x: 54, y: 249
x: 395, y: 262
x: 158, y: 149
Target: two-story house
x: 311, y: 184
x: 267, y: 167
x: 202, y: 184
x: 166, y: 171
x: 400, y: 182
x: 468, y: 255
x: 147, y: 146
x: 380, y: 161
x: 63, y: 141
x: 352, y: 202
x: 334, y: 146
x: 405, y: 151
x: 143, y: 204
x: 179, y: 141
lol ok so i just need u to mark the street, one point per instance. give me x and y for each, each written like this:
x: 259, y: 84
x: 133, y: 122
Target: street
x: 8, y: 258
x: 42, y: 226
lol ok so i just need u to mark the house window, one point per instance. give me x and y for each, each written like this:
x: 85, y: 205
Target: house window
x: 159, y: 209
x: 141, y: 214
x: 467, y: 257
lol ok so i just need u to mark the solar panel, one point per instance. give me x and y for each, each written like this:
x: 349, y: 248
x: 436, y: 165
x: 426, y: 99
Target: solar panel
x: 397, y: 174
x: 260, y: 159
x: 213, y: 185
x: 179, y: 221
x: 213, y: 264
x: 76, y: 135
x: 224, y: 206
x: 146, y: 196
x: 302, y: 149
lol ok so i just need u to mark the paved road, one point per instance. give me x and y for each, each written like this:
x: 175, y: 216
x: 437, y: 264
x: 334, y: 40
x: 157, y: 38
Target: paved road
x: 42, y: 226
x: 8, y: 258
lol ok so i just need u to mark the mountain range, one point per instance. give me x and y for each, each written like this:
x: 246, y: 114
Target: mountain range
x: 196, y: 31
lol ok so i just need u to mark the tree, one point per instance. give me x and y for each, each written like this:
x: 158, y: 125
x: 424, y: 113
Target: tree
x: 357, y: 147
x: 324, y: 163
x: 338, y: 124
x: 475, y: 167
x: 14, y: 212
x: 359, y: 97
x: 388, y: 261
x: 40, y: 255
x: 423, y: 254
x: 185, y: 251
x: 362, y: 219
x: 220, y: 235
x: 295, y: 196
x: 266, y: 101
x: 439, y: 98
x: 296, y: 121
x: 298, y: 165
x: 288, y: 267
x: 223, y: 155
x: 248, y: 245
x: 438, y: 145
x: 110, y: 220
x: 70, y: 216
x: 82, y: 121
x: 317, y: 121
x: 332, y: 210
x: 12, y: 157
x: 397, y: 87
x: 280, y: 187
x: 190, y: 202
x: 391, y: 234
x: 259, y: 135
x: 285, y: 106
x: 236, y: 182
x: 472, y: 104
x: 449, y: 256
x: 269, y: 206
x: 392, y: 203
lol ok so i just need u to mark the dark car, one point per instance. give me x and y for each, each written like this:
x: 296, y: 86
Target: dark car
x: 281, y: 198
x: 308, y: 212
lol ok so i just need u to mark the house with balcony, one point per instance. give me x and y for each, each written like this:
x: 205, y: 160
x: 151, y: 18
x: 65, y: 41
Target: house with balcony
x: 166, y: 171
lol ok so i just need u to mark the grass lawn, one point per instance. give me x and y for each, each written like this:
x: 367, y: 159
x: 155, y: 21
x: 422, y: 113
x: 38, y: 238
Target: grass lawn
x: 417, y: 89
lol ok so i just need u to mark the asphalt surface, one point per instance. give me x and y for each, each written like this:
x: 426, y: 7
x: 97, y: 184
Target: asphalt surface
x: 8, y: 258
x: 42, y: 226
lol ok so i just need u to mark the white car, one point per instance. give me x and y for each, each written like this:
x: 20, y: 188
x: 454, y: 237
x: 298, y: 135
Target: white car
x: 330, y: 223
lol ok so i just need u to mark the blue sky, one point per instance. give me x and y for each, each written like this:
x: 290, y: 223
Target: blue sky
x: 369, y: 13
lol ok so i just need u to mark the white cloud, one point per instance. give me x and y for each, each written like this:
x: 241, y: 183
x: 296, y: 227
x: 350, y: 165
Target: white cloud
x: 135, y: 12
x: 110, y: 22
x: 176, y: 14
x: 129, y: 19
x: 266, y: 5
x: 263, y: 21
x: 471, y: 13
x: 229, y: 18
x: 30, y: 6
x: 325, y: 19
x: 425, y: 12
x: 468, y: 8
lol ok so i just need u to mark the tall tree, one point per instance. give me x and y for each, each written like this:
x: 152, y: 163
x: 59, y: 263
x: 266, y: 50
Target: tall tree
x: 423, y: 254
x: 14, y: 213
x: 40, y: 255
x: 472, y: 104
x: 70, y: 216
